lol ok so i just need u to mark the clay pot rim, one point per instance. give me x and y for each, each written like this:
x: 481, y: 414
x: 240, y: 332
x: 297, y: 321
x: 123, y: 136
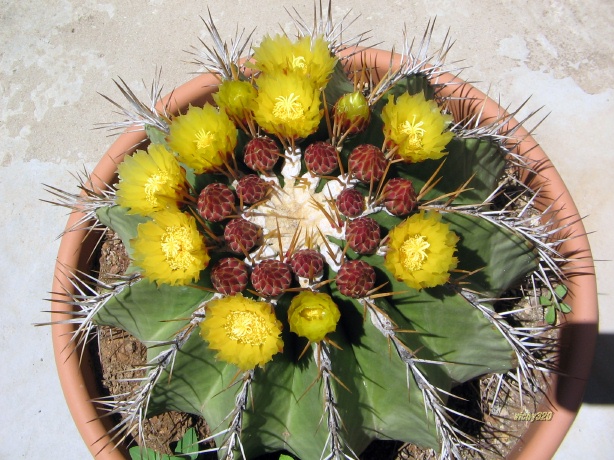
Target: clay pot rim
x: 543, y: 438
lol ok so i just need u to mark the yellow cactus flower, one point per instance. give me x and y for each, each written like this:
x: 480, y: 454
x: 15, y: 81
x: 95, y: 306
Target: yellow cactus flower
x: 245, y: 332
x: 313, y: 315
x: 287, y: 106
x: 307, y: 58
x: 421, y: 251
x: 236, y: 98
x: 169, y: 249
x: 150, y: 181
x: 417, y: 127
x: 203, y: 138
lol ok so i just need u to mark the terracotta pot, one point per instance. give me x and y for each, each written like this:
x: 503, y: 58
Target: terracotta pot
x: 578, y: 331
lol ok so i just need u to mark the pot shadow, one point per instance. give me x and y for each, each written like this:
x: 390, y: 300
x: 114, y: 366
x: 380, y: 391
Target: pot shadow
x: 575, y: 339
x: 601, y: 380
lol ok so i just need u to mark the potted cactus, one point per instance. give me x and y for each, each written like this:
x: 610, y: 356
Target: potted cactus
x: 323, y: 246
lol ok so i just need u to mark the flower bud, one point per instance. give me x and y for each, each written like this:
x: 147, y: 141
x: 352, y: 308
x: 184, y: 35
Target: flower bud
x: 229, y: 276
x: 399, y: 196
x: 313, y: 315
x: 261, y: 154
x: 363, y: 235
x: 351, y: 112
x: 350, y: 202
x: 241, y: 235
x: 307, y: 263
x: 252, y: 189
x: 271, y: 278
x: 367, y: 163
x: 321, y: 158
x: 355, y: 278
x: 216, y: 202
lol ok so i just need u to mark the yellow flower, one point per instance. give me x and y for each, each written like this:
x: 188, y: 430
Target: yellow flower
x: 421, y: 251
x: 203, y: 138
x: 287, y: 106
x: 245, y: 332
x: 150, y: 181
x: 313, y: 315
x: 417, y: 127
x: 169, y: 249
x: 236, y: 98
x: 306, y: 58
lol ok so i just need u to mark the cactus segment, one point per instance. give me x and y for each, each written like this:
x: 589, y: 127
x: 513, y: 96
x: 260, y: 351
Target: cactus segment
x: 499, y: 257
x: 479, y: 161
x: 152, y: 314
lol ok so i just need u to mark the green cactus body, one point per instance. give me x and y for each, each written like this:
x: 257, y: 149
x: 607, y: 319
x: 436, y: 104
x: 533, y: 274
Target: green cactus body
x: 373, y: 395
x: 396, y: 351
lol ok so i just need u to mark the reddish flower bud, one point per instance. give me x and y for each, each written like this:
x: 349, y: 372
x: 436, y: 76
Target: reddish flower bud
x: 307, y: 263
x: 355, y: 278
x: 271, y: 277
x: 261, y: 154
x: 363, y: 235
x: 367, y: 163
x: 350, y: 202
x: 321, y: 158
x: 216, y: 202
x: 241, y: 235
x: 229, y: 276
x: 252, y: 189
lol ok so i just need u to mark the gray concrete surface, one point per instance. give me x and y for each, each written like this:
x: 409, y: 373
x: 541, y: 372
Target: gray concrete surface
x: 55, y: 55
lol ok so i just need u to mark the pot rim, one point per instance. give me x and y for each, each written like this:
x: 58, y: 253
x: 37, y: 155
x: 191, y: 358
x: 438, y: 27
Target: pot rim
x: 578, y: 328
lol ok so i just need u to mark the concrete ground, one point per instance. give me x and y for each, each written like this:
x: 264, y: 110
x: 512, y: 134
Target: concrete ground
x: 55, y: 55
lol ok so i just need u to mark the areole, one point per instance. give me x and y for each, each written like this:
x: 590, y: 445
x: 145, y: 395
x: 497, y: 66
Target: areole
x: 578, y: 331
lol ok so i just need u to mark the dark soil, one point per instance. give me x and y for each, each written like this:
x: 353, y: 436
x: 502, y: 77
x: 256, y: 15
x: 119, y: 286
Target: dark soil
x: 120, y: 353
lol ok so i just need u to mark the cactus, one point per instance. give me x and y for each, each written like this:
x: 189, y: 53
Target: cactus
x: 335, y: 270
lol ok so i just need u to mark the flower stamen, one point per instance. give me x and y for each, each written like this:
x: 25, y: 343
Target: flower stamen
x: 298, y: 62
x: 288, y: 108
x: 176, y: 245
x: 414, y: 132
x: 413, y: 252
x: 153, y: 185
x: 246, y: 327
x: 203, y: 139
